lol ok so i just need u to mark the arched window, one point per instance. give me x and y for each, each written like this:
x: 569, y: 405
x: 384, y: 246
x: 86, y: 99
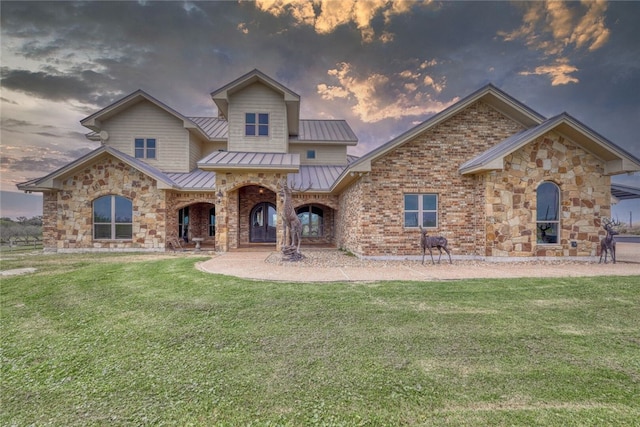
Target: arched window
x: 548, y: 213
x: 112, y: 218
x: 312, y: 218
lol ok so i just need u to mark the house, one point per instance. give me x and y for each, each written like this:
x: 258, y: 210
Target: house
x: 493, y: 176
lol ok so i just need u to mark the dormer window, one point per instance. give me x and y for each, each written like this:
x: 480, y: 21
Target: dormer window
x: 256, y: 124
x: 145, y: 148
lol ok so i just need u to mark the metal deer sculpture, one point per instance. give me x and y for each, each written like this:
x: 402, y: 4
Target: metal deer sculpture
x: 428, y: 242
x: 292, y: 224
x: 608, y: 244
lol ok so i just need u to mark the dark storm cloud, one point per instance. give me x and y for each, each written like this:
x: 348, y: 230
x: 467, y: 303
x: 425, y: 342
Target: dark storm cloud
x: 84, y: 86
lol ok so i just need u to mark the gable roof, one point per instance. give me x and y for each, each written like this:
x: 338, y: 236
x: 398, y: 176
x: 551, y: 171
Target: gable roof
x: 53, y: 180
x: 291, y: 99
x: 489, y: 94
x: 93, y: 121
x: 616, y: 160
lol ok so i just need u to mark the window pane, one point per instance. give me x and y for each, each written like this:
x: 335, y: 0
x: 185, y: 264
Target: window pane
x: 139, y: 148
x: 547, y: 232
x: 250, y: 118
x: 411, y: 219
x: 311, y: 154
x: 123, y: 209
x: 263, y: 119
x: 250, y: 130
x: 548, y: 202
x: 263, y: 130
x: 123, y: 231
x: 411, y: 203
x: 429, y: 219
x: 151, y: 148
x: 102, y: 209
x: 429, y: 202
x: 102, y: 231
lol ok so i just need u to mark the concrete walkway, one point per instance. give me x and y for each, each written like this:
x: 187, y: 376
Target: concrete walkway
x: 254, y: 265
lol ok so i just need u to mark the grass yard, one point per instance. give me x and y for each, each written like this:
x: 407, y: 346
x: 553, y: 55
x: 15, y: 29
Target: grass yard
x: 136, y: 340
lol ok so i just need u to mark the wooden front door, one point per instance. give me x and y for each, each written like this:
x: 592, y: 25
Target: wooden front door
x: 263, y: 221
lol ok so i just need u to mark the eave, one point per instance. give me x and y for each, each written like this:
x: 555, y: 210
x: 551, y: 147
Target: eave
x: 53, y: 181
x: 291, y: 99
x: 615, y: 159
x: 94, y: 121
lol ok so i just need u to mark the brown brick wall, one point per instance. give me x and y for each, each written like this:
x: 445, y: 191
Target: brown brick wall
x: 426, y: 164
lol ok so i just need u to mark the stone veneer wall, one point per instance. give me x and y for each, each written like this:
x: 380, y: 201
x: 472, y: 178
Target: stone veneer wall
x: 241, y: 192
x: 585, y: 197
x: 68, y: 213
x: 371, y: 220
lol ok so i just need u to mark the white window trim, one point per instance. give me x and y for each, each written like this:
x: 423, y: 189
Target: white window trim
x: 257, y: 124
x: 145, y: 148
x: 421, y: 210
x: 113, y: 222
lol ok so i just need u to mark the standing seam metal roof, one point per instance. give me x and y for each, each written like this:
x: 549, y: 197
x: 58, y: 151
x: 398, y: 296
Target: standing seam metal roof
x: 309, y: 130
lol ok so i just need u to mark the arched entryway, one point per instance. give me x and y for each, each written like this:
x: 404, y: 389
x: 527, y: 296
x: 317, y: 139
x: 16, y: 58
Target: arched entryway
x: 263, y: 220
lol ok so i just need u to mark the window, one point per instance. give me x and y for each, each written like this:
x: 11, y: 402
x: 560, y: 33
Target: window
x: 548, y: 213
x: 311, y: 154
x: 312, y: 219
x: 183, y: 223
x: 256, y: 124
x: 212, y: 222
x: 112, y: 218
x: 145, y: 148
x: 421, y: 210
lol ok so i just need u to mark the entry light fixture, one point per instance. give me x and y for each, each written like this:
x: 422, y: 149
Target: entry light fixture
x: 218, y: 196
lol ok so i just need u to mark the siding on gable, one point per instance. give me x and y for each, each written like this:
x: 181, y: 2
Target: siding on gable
x: 257, y: 98
x: 325, y: 154
x: 145, y: 120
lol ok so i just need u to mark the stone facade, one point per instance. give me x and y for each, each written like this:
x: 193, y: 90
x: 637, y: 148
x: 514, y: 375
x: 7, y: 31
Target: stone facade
x: 485, y: 215
x: 510, y: 200
x: 69, y: 211
x: 241, y: 191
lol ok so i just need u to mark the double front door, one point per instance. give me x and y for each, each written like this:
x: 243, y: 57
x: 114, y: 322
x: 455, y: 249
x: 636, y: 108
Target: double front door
x: 263, y: 221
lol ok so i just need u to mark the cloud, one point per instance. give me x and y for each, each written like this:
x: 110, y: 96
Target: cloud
x: 325, y: 16
x: 559, y: 73
x: 376, y: 97
x: 85, y: 86
x: 556, y: 29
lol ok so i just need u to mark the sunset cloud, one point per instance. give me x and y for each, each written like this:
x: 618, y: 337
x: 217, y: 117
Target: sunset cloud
x: 557, y: 28
x: 375, y: 97
x: 327, y: 15
x: 559, y: 73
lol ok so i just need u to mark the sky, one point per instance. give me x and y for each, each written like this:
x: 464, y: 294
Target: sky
x: 384, y: 66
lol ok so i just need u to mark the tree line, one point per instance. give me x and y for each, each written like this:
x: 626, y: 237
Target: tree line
x: 21, y: 227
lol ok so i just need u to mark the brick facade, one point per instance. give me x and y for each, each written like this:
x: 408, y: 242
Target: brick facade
x: 428, y: 163
x: 484, y: 215
x: 488, y: 214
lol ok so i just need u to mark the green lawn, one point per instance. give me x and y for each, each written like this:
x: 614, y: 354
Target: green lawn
x: 130, y: 340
